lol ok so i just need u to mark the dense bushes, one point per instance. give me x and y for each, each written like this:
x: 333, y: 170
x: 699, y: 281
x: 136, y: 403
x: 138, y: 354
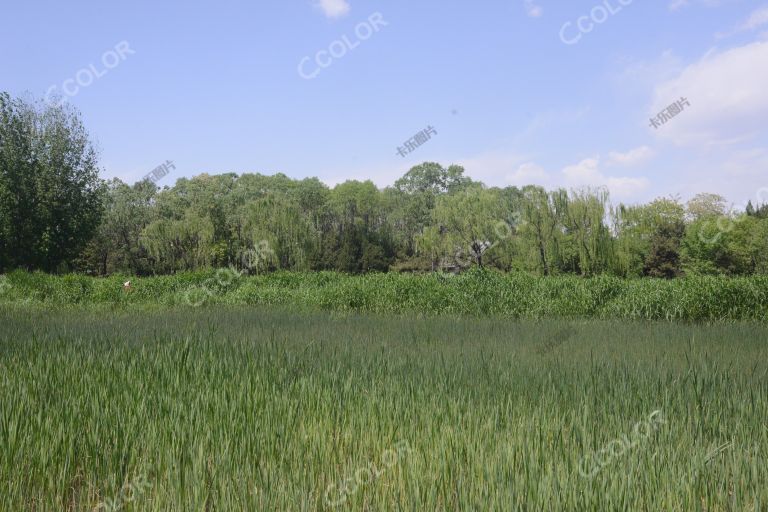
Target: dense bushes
x: 477, y: 292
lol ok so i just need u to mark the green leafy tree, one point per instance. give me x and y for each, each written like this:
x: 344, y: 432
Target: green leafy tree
x: 117, y: 246
x: 50, y: 191
x: 182, y: 244
x: 706, y: 205
x: 663, y: 260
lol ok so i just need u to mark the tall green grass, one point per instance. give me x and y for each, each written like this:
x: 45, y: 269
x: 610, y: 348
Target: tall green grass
x: 231, y: 408
x: 476, y: 293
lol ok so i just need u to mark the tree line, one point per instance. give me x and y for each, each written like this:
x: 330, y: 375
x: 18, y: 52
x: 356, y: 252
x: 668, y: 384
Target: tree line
x: 58, y: 215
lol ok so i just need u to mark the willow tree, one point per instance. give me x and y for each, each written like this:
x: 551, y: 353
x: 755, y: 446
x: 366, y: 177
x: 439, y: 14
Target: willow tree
x: 540, y: 232
x: 584, y: 214
x: 473, y: 222
x: 278, y: 234
x: 183, y: 244
x: 631, y: 240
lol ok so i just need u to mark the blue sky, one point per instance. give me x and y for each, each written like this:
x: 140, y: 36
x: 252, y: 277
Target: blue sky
x: 516, y: 92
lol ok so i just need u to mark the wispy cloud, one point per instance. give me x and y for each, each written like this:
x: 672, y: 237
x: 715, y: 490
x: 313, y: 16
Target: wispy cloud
x: 533, y: 10
x: 757, y: 19
x: 675, y: 5
x: 333, y: 8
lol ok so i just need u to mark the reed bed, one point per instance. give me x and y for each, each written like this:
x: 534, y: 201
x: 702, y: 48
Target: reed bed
x: 474, y: 293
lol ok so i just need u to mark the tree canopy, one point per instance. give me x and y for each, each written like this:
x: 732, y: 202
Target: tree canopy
x: 51, y: 197
x: 56, y: 214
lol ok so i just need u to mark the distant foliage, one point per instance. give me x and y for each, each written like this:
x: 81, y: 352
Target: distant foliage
x: 432, y: 219
x: 56, y: 215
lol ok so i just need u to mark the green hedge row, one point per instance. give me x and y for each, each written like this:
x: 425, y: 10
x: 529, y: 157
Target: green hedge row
x: 473, y: 293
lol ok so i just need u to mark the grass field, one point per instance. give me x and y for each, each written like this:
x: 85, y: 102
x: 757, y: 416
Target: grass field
x: 233, y: 408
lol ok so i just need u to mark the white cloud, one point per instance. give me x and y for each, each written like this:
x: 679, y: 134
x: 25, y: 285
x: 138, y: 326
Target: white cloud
x: 587, y: 174
x: 529, y: 173
x: 334, y: 8
x: 492, y: 167
x: 504, y: 169
x: 533, y: 10
x: 632, y: 157
x: 728, y: 96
